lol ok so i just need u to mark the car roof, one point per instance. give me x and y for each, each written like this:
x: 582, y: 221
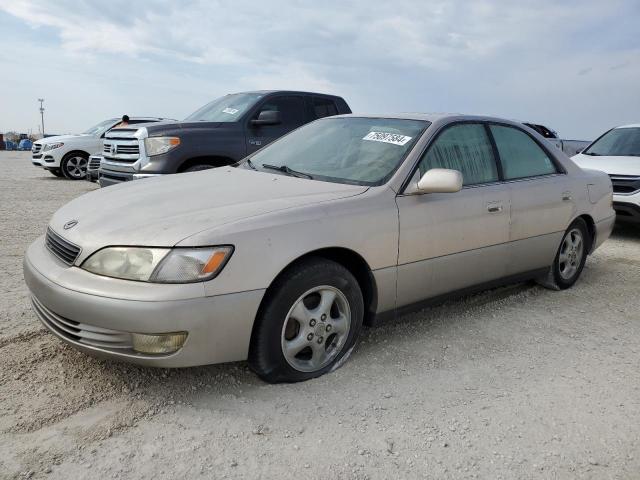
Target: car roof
x: 292, y: 92
x: 632, y: 125
x: 434, y: 117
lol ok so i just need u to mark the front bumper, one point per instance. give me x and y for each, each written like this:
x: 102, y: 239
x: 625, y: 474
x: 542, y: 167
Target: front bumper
x: 627, y: 207
x: 49, y: 159
x: 218, y: 328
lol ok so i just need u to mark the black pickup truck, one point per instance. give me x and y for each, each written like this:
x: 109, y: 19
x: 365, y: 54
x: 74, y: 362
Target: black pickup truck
x: 220, y: 133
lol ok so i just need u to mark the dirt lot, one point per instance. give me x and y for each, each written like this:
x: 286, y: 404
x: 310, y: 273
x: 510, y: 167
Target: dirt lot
x: 518, y: 382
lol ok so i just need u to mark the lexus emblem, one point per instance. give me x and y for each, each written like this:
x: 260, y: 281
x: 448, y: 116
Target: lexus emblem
x: 70, y: 224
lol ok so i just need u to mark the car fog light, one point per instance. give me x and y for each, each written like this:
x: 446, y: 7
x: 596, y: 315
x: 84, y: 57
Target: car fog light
x: 160, y: 343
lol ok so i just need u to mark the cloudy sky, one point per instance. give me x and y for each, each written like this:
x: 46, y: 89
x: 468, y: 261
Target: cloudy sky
x: 572, y: 65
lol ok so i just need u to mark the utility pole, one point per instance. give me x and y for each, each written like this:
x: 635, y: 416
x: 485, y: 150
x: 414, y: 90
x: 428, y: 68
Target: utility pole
x: 41, y: 100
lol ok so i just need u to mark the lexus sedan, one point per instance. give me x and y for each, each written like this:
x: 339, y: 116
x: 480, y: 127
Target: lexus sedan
x: 282, y: 258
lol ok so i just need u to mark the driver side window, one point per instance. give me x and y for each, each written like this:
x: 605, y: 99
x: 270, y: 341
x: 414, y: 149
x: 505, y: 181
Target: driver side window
x: 292, y: 110
x: 464, y: 147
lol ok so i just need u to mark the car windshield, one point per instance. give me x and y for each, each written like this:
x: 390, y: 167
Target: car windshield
x: 225, y: 109
x: 617, y: 142
x: 100, y: 128
x: 360, y: 151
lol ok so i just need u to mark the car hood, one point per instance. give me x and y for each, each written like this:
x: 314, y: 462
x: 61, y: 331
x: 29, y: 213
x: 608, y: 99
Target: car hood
x: 162, y: 211
x: 609, y: 164
x: 60, y: 138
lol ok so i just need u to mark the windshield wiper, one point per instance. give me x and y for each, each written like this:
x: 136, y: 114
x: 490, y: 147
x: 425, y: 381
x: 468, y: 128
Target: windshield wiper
x: 591, y: 153
x: 287, y: 170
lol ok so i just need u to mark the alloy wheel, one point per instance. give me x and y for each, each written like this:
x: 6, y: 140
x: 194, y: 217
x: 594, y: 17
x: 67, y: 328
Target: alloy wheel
x: 316, y: 328
x: 76, y: 167
x: 571, y: 253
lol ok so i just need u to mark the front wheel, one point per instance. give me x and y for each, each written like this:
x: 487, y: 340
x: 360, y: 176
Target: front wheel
x: 56, y: 172
x: 74, y: 166
x: 198, y: 168
x: 309, y: 323
x: 570, y: 258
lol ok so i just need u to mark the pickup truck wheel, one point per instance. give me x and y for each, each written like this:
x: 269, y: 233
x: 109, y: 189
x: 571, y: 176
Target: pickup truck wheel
x: 309, y: 323
x: 56, y: 172
x: 197, y: 168
x: 74, y: 166
x: 570, y: 258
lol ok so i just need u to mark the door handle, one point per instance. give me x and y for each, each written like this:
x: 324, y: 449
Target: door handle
x: 494, y: 207
x: 566, y: 196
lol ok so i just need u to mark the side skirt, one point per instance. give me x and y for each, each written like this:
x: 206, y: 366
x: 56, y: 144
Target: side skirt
x: 440, y: 299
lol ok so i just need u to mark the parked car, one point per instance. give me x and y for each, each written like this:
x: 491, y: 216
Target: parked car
x: 67, y: 155
x: 283, y: 258
x: 220, y: 133
x: 617, y: 152
x: 25, y: 144
x: 569, y: 147
x: 9, y: 145
x: 93, y: 166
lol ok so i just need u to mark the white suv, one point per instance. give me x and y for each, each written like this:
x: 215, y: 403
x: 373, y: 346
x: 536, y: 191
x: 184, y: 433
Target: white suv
x: 617, y: 153
x: 67, y: 155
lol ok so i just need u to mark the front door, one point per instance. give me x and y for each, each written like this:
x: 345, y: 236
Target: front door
x: 450, y: 241
x: 292, y: 115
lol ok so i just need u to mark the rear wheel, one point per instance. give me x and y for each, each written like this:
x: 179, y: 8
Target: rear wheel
x: 570, y: 258
x: 309, y: 323
x: 74, y: 166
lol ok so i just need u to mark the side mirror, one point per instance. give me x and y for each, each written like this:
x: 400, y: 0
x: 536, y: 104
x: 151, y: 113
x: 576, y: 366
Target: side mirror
x: 438, y: 180
x: 267, y: 117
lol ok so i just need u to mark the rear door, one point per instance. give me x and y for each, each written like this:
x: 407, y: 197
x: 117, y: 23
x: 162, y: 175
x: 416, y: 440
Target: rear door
x: 292, y: 115
x: 541, y: 199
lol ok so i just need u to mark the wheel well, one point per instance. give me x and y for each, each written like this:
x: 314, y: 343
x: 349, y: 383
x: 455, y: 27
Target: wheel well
x: 214, y: 161
x: 353, y: 262
x: 591, y: 228
x: 75, y: 152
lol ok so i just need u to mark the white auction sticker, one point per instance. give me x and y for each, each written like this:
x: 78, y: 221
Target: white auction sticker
x: 231, y: 111
x: 394, y: 138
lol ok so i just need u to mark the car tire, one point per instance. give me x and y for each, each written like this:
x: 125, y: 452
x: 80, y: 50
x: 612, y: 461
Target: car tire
x: 570, y: 257
x: 199, y: 167
x: 57, y: 172
x: 308, y: 324
x: 74, y: 166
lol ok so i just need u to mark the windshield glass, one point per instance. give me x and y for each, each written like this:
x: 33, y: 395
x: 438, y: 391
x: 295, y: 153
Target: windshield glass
x: 361, y: 151
x: 225, y: 109
x: 100, y: 128
x: 617, y: 142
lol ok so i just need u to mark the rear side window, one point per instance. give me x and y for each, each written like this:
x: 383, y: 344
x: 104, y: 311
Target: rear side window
x: 520, y: 155
x: 292, y: 111
x: 323, y: 107
x: 466, y: 148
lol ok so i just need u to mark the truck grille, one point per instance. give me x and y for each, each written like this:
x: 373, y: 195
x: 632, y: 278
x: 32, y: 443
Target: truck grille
x: 66, y: 251
x: 36, y: 147
x: 121, y: 146
x: 81, y: 333
x: 625, y: 184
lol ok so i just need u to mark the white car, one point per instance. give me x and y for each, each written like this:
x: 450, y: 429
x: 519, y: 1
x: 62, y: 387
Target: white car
x: 67, y: 155
x: 617, y: 152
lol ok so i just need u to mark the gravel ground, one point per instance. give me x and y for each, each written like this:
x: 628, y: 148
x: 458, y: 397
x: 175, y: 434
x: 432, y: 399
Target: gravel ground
x: 518, y: 382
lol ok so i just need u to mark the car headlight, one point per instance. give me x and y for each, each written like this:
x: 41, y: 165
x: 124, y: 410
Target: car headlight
x: 159, y: 265
x: 160, y: 145
x: 52, y: 146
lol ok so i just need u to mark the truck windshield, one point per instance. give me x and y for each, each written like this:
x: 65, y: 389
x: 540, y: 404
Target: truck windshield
x: 624, y: 142
x: 354, y: 150
x: 100, y: 128
x: 225, y: 109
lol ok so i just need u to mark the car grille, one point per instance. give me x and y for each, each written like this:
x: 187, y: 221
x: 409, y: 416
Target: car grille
x: 36, y: 147
x: 94, y: 163
x: 82, y: 333
x: 64, y: 250
x: 625, y: 184
x: 121, y: 146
